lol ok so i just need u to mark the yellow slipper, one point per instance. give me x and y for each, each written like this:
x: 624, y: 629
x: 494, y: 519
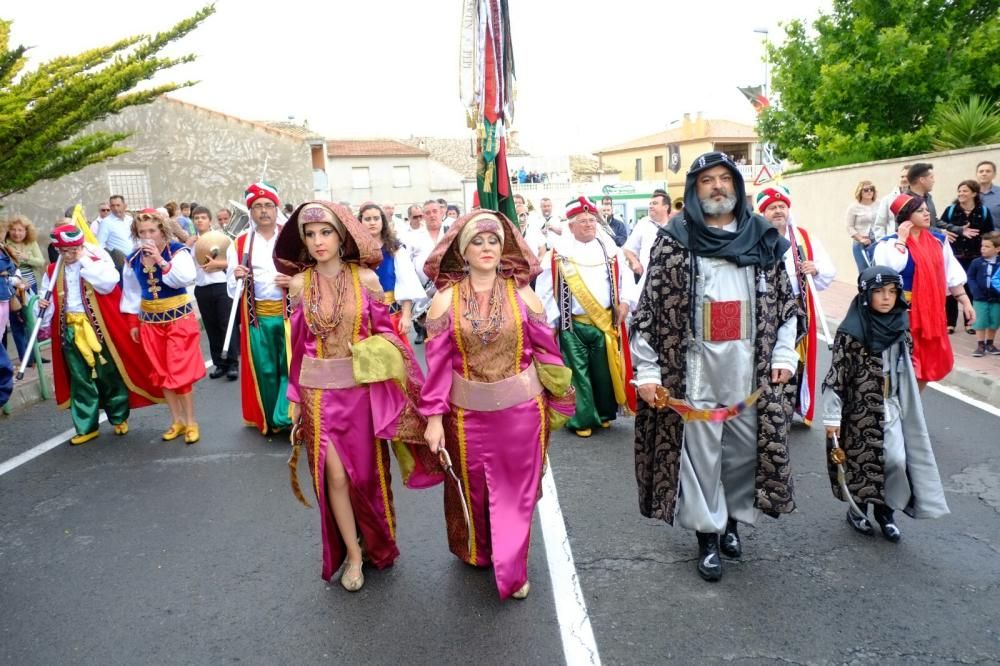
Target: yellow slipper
x: 605, y: 424
x: 192, y: 435
x: 175, y: 431
x: 586, y: 432
x: 522, y: 593
x: 81, y: 439
x: 121, y: 428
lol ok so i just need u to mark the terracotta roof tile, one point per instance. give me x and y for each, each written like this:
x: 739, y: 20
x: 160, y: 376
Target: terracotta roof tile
x: 371, y: 148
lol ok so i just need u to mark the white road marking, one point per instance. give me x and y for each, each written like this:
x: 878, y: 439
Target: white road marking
x: 44, y: 447
x: 577, y: 635
x: 47, y: 445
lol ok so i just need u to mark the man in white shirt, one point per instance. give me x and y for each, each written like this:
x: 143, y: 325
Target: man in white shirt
x: 422, y: 243
x: 263, y: 309
x: 115, y: 231
x: 885, y: 221
x: 640, y: 242
x: 214, y: 302
x: 806, y: 256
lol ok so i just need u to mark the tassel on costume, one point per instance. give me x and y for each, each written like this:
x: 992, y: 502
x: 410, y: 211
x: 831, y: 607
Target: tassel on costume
x: 293, y: 468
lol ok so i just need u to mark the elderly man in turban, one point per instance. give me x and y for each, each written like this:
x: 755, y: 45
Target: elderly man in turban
x: 805, y: 260
x: 263, y: 306
x: 587, y: 301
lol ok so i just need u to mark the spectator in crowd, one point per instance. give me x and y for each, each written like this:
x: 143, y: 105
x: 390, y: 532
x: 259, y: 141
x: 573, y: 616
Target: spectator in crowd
x: 184, y: 218
x: 213, y: 299
x: 861, y: 223
x: 452, y: 213
x: 885, y: 221
x: 985, y: 296
x: 986, y: 171
x: 223, y: 217
x: 390, y: 213
x: 22, y: 245
x: 445, y: 219
x: 640, y: 242
x: 115, y: 232
x: 171, y: 212
x: 532, y: 234
x: 11, y: 297
x: 619, y: 232
x: 920, y: 181
x: 414, y: 220
x: 967, y: 218
x: 552, y: 225
x: 6, y: 377
x: 102, y: 212
x: 923, y: 257
x: 288, y: 209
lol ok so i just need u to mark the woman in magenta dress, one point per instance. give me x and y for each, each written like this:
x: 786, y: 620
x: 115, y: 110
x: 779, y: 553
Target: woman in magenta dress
x: 352, y: 385
x: 496, y: 388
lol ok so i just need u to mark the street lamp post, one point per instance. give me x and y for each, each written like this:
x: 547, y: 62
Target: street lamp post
x: 763, y: 31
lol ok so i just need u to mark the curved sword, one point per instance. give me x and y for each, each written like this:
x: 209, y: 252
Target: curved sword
x: 449, y: 469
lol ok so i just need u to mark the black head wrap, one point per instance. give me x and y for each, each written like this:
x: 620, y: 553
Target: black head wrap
x: 877, y: 330
x: 754, y: 243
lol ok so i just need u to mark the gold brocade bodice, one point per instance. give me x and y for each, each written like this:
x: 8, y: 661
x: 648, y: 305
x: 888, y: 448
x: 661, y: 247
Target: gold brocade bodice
x: 326, y: 297
x: 501, y: 358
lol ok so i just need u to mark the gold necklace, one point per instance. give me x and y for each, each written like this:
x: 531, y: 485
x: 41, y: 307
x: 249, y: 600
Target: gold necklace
x: 487, y: 328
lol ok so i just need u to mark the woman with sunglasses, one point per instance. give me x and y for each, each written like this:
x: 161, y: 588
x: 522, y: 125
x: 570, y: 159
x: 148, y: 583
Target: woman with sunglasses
x: 861, y: 223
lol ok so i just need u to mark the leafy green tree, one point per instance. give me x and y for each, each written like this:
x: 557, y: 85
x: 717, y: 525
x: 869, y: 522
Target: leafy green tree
x: 866, y: 81
x: 43, y: 113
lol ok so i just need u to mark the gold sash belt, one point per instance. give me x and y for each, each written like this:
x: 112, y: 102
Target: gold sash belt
x: 495, y: 396
x: 327, y: 373
x: 269, y: 308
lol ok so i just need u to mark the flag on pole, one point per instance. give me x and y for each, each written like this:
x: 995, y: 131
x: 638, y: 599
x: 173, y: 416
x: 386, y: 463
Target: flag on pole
x: 755, y: 95
x: 486, y: 81
x: 80, y: 221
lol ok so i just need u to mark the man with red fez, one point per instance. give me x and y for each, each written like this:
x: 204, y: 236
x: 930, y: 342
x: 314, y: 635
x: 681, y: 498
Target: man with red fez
x: 805, y: 256
x: 586, y: 300
x: 155, y: 289
x: 713, y: 341
x: 263, y: 308
x: 95, y: 364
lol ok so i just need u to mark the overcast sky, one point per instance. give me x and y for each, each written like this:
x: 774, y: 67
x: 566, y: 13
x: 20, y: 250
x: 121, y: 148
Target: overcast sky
x: 588, y: 74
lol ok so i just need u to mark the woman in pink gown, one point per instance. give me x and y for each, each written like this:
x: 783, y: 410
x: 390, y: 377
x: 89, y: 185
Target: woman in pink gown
x: 352, y: 385
x: 496, y: 388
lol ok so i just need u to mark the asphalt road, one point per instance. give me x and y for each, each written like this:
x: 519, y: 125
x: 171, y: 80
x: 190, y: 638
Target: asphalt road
x: 134, y: 550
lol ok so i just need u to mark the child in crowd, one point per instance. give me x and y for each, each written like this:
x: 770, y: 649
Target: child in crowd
x: 984, y: 283
x: 873, y: 406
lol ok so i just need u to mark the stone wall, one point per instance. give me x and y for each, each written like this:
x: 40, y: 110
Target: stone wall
x: 187, y: 154
x: 820, y: 198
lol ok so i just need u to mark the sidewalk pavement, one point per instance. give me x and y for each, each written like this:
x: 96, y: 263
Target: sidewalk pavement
x: 979, y: 377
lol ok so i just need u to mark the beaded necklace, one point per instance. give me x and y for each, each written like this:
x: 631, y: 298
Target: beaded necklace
x: 319, y: 323
x: 487, y: 328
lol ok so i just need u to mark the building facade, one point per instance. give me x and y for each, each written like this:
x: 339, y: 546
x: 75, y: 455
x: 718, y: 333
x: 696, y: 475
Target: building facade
x: 179, y: 152
x: 648, y: 158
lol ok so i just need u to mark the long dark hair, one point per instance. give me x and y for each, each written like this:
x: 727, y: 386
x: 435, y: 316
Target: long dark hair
x: 388, y: 235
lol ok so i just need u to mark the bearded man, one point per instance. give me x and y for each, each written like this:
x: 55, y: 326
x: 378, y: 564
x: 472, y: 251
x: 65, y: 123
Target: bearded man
x: 713, y: 339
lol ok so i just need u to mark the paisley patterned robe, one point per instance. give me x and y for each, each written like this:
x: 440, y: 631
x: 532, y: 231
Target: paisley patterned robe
x: 663, y: 319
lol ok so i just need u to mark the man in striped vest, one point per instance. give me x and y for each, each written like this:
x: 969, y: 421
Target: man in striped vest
x: 263, y: 305
x: 805, y: 257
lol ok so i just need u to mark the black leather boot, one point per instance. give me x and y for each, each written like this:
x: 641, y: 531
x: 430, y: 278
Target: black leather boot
x: 730, y: 544
x: 860, y: 523
x: 885, y: 519
x: 709, y: 562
